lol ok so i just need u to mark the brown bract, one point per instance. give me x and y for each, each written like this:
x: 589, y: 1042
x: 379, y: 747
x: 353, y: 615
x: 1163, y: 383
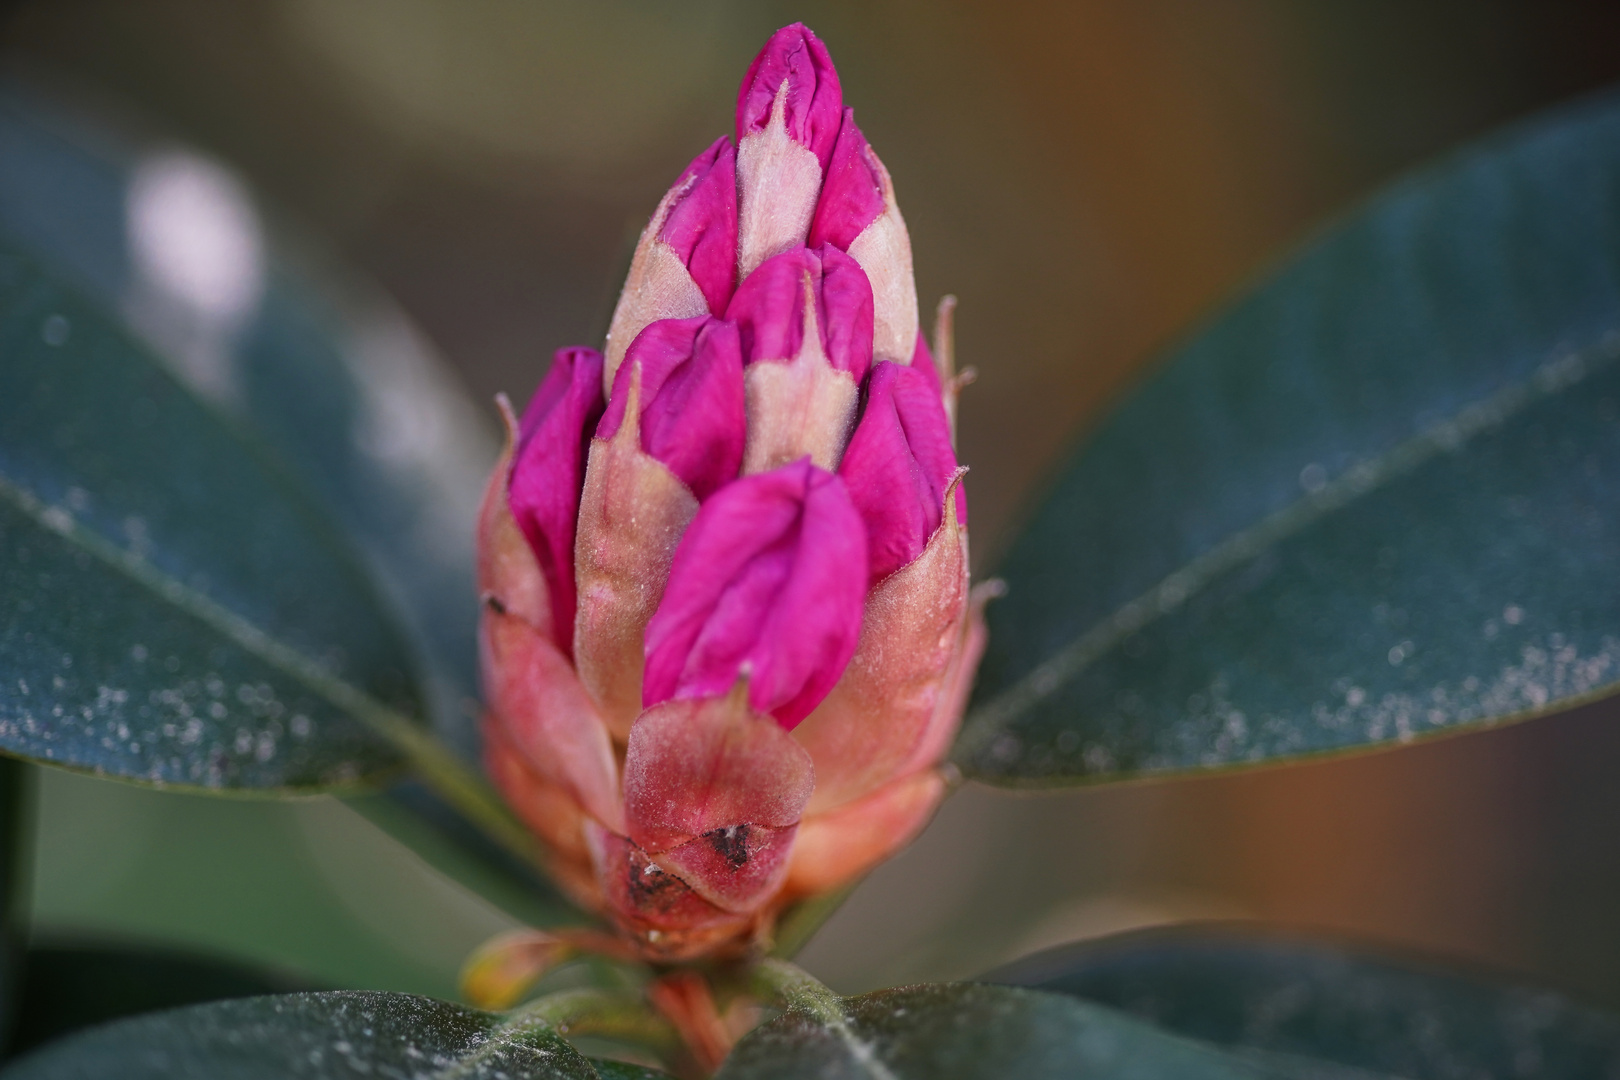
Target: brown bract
x: 659, y: 286
x: 799, y: 405
x: 884, y: 251
x: 631, y: 517
x: 778, y: 182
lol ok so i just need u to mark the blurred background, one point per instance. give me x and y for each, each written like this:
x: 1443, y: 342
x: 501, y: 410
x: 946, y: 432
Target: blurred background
x: 1089, y: 177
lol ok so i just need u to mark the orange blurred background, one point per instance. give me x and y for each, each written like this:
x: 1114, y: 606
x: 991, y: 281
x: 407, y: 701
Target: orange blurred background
x: 1088, y: 177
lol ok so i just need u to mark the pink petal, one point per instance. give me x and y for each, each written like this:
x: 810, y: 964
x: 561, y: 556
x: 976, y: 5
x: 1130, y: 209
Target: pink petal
x: 768, y: 582
x: 852, y: 192
x: 815, y: 102
x: 692, y: 412
x: 701, y: 224
x: 769, y: 309
x: 694, y: 767
x: 924, y: 361
x: 898, y: 464
x: 549, y: 472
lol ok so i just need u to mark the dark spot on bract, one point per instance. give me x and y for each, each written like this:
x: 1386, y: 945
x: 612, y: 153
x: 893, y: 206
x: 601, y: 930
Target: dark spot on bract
x: 731, y: 844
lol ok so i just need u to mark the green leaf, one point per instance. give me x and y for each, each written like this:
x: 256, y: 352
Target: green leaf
x: 16, y: 874
x: 1376, y: 500
x: 619, y: 1070
x: 175, y: 610
x: 965, y: 1031
x: 1273, y: 993
x: 326, y: 375
x: 313, y: 1036
x: 66, y: 987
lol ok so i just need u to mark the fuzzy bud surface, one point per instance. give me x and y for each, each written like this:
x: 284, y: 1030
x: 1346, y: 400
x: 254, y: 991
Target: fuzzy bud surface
x: 728, y: 633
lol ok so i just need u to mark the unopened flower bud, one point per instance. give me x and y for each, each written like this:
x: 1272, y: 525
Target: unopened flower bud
x: 805, y: 322
x: 789, y: 108
x: 549, y: 470
x: 857, y: 213
x: 728, y: 634
x: 685, y: 264
x: 767, y: 585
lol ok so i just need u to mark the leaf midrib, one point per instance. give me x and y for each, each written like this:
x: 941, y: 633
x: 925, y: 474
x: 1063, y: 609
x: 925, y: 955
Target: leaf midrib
x: 437, y: 766
x: 1567, y: 369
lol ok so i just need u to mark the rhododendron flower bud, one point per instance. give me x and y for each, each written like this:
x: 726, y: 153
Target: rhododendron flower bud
x: 789, y: 108
x: 728, y: 634
x: 805, y: 320
x: 685, y: 264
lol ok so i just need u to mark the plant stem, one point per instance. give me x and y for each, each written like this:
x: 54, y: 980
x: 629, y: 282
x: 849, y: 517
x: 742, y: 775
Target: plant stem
x: 798, y: 990
x: 608, y: 1014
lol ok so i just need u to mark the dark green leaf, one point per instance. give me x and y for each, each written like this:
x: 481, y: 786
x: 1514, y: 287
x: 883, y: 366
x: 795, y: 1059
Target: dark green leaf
x: 1275, y: 993
x: 175, y: 610
x: 313, y: 1036
x: 66, y: 987
x: 971, y: 1032
x: 1378, y: 499
x: 619, y: 1070
x: 16, y: 875
x: 327, y: 376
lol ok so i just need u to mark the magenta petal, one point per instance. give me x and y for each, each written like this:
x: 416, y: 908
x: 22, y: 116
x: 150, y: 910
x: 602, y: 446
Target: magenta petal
x: 852, y: 193
x: 898, y: 465
x: 923, y: 360
x: 692, y: 412
x: 846, y: 312
x: 702, y: 226
x: 768, y: 308
x: 768, y: 582
x: 548, y: 473
x: 815, y: 102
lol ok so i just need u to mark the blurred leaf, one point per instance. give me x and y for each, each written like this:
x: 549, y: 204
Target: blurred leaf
x: 175, y: 610
x: 1273, y: 993
x: 348, y: 1034
x: 1378, y: 499
x: 65, y: 987
x: 619, y: 1070
x: 16, y: 864
x: 324, y: 372
x: 964, y: 1031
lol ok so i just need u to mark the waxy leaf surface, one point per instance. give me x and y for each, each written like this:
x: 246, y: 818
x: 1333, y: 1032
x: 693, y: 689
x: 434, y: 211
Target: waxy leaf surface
x: 315, y: 367
x: 175, y: 611
x: 965, y: 1031
x: 319, y: 1036
x: 1272, y: 993
x: 1377, y: 499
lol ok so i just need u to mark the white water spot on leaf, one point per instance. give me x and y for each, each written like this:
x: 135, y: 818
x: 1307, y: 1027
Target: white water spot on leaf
x: 55, y: 331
